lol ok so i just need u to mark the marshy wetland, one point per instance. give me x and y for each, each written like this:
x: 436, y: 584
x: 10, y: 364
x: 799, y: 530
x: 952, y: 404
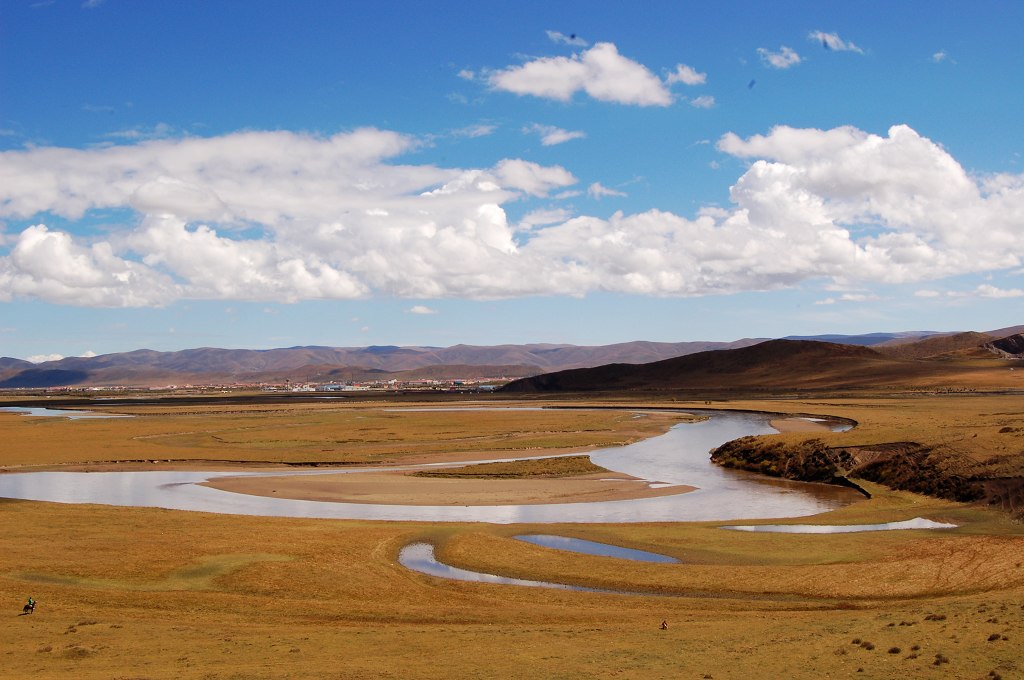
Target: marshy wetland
x: 153, y: 592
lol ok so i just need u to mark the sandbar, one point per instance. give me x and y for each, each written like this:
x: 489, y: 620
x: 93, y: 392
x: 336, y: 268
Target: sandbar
x: 799, y: 425
x: 399, y: 488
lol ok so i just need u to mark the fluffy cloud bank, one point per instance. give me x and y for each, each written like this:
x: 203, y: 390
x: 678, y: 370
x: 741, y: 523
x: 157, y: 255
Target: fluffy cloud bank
x: 283, y: 216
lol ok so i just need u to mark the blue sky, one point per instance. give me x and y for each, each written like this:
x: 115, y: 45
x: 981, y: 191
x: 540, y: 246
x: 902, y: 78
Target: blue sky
x: 262, y: 174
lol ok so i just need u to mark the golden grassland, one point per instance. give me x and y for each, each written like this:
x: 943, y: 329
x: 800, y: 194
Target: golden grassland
x: 327, y: 433
x: 147, y: 593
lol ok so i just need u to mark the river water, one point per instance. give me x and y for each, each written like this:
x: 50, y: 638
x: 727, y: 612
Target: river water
x: 71, y: 414
x: 679, y: 456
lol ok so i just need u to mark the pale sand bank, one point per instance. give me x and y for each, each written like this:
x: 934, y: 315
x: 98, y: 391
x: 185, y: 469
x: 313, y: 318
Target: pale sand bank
x: 798, y: 425
x: 399, y: 488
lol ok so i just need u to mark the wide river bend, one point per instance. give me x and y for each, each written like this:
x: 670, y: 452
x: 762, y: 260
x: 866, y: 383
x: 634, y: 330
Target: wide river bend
x: 679, y: 456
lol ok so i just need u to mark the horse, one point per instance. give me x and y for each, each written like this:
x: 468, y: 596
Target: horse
x: 28, y: 608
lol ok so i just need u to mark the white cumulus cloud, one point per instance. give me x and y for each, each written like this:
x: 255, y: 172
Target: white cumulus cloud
x: 534, y: 179
x: 596, y: 190
x: 551, y: 135
x: 989, y: 291
x: 421, y: 309
x: 601, y: 72
x: 686, y: 75
x: 279, y: 216
x: 784, y: 58
x: 49, y: 265
x: 832, y: 41
x: 901, y: 201
x: 703, y: 102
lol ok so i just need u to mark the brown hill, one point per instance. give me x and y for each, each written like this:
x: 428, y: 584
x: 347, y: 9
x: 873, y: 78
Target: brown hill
x: 779, y: 365
x: 10, y: 367
x: 939, y: 346
x: 1006, y: 332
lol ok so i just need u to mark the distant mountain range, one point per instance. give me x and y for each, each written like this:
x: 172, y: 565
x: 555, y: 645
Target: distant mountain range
x: 337, y: 364
x: 329, y: 364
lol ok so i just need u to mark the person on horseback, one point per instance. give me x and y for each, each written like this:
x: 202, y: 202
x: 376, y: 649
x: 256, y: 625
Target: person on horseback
x: 31, y: 606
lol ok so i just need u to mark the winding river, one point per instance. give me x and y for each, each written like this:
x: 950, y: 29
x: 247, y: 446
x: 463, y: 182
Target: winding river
x: 679, y: 456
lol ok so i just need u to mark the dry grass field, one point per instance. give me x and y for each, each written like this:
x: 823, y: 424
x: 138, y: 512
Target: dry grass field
x: 315, y: 433
x: 146, y: 593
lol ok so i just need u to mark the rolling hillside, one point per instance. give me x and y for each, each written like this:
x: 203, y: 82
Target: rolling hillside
x: 780, y: 365
x: 939, y: 346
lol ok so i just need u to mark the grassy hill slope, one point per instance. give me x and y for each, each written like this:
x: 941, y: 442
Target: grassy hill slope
x: 780, y: 365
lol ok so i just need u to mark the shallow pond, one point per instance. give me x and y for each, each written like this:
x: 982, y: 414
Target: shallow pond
x: 679, y: 456
x: 420, y: 557
x: 578, y: 545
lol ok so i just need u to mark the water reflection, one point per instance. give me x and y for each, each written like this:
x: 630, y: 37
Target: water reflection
x: 678, y: 457
x: 916, y: 523
x: 578, y: 545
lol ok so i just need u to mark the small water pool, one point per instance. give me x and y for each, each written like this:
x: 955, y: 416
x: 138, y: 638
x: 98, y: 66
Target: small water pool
x: 420, y: 557
x: 578, y: 545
